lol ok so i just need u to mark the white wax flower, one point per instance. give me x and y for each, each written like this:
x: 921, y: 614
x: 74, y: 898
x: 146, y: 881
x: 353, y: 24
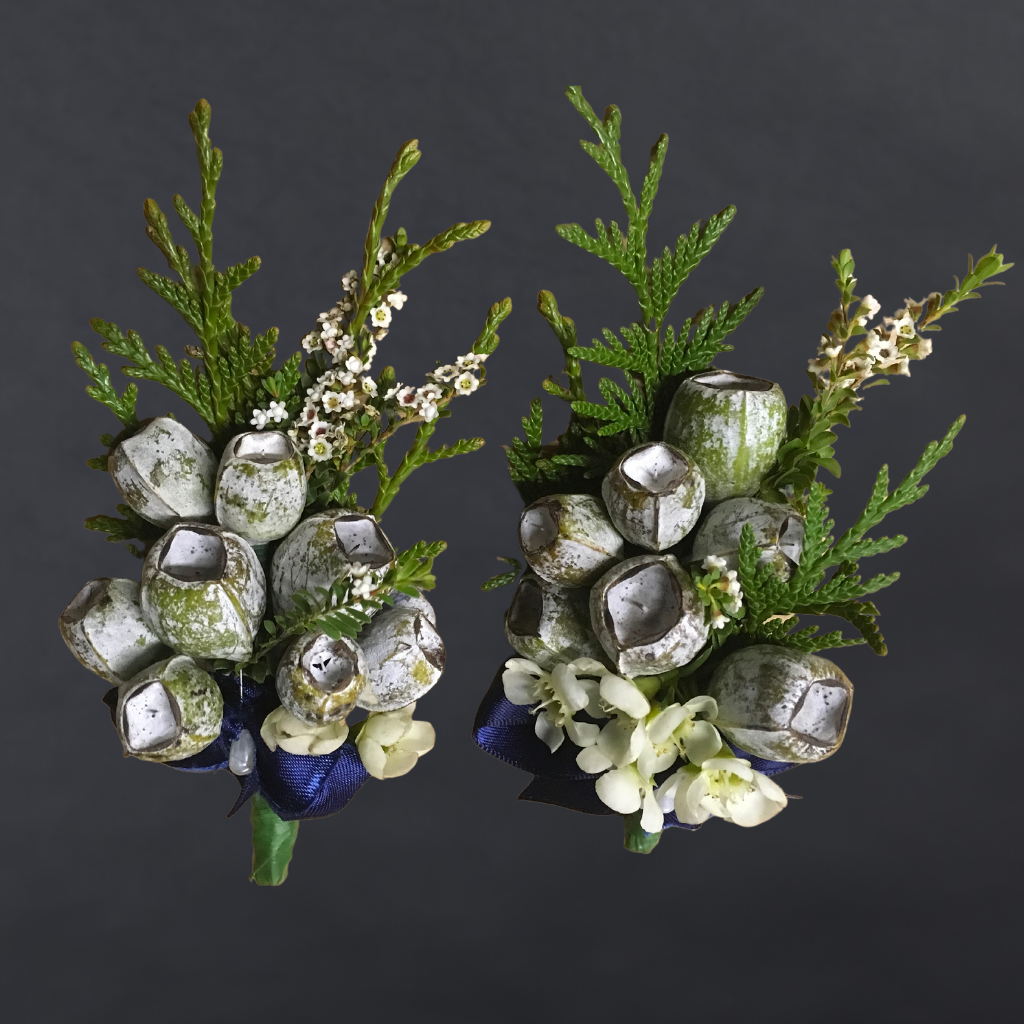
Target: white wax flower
x: 726, y: 787
x: 282, y: 729
x: 390, y: 743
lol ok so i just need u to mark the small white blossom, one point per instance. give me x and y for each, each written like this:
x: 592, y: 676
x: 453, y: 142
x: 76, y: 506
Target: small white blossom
x: 869, y: 306
x: 320, y: 449
x: 446, y: 372
x: 369, y: 386
x: 363, y: 588
x: 390, y: 743
x: 380, y: 316
x: 284, y: 730
x: 404, y: 396
x: 466, y: 384
x: 348, y: 282
x: 354, y: 364
x: 714, y: 562
x: 277, y: 412
x: 311, y: 341
x: 397, y: 299
x: 471, y: 360
x: 259, y: 418
x: 558, y: 695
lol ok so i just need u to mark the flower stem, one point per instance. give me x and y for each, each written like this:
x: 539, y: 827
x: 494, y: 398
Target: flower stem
x: 636, y: 840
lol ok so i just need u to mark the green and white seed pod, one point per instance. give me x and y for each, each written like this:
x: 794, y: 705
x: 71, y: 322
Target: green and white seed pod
x: 778, y: 530
x: 169, y: 711
x: 654, y: 494
x: 105, y: 630
x: 321, y: 548
x: 547, y: 623
x: 165, y: 473
x: 419, y: 602
x: 320, y: 679
x: 404, y: 658
x: 261, y: 486
x: 204, y: 592
x: 648, y: 615
x: 568, y: 539
x: 731, y: 425
x: 781, y: 704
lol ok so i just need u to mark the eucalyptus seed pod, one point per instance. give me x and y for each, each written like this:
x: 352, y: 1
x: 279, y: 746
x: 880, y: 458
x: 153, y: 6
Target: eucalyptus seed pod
x: 648, y: 615
x: 320, y: 679
x: 568, y: 539
x: 548, y: 624
x: 204, y: 592
x: 778, y: 530
x: 104, y: 629
x: 169, y: 711
x: 165, y: 473
x: 731, y: 425
x: 419, y: 602
x: 404, y: 658
x: 781, y: 704
x: 261, y: 486
x: 321, y: 548
x: 654, y: 494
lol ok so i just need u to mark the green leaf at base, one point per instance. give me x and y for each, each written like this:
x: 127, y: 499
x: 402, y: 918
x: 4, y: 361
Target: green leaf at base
x: 636, y: 840
x: 272, y: 843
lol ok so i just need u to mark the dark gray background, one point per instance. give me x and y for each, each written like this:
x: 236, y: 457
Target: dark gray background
x: 889, y: 891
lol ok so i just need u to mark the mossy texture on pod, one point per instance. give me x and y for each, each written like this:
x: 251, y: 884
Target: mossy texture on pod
x: 778, y: 530
x: 419, y: 602
x: 169, y: 711
x: 782, y: 704
x: 105, y: 630
x: 319, y: 679
x: 568, y: 539
x: 204, y: 592
x: 731, y: 425
x: 654, y: 494
x: 547, y: 623
x: 648, y: 615
x: 165, y: 473
x: 261, y: 486
x: 404, y: 658
x: 320, y: 549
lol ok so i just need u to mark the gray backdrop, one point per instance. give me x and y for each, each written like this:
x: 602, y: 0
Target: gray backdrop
x: 887, y: 893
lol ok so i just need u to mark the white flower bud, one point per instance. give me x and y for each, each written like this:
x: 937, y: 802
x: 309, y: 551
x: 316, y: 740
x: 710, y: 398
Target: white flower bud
x: 165, y: 473
x: 261, y: 486
x: 105, y: 630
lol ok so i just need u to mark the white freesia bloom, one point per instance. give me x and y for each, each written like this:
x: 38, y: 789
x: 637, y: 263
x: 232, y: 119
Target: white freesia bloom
x: 726, y: 787
x: 284, y: 730
x: 390, y: 742
x: 625, y: 790
x: 558, y: 694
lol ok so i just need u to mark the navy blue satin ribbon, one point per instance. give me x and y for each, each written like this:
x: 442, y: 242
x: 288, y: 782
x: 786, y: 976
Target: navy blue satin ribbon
x: 295, y: 786
x: 506, y: 731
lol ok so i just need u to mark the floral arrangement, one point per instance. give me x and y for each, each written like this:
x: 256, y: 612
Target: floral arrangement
x: 675, y: 533
x: 272, y: 608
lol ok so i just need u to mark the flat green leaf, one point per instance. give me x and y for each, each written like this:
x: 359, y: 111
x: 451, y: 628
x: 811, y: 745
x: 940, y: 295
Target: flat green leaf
x: 273, y: 841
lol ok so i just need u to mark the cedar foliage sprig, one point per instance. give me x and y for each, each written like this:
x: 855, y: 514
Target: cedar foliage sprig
x: 652, y: 357
x: 773, y: 605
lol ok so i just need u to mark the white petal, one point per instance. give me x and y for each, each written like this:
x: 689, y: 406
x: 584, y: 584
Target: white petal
x: 324, y: 744
x: 372, y: 755
x: 687, y: 811
x: 614, y: 741
x: 637, y: 739
x: 771, y: 789
x: 665, y: 794
x: 735, y: 765
x: 665, y: 760
x: 568, y: 691
x: 583, y: 734
x: 588, y: 667
x: 550, y: 733
x: 385, y: 728
x: 591, y: 760
x: 754, y: 809
x: 624, y: 694
x: 400, y: 762
x: 520, y: 688
x: 523, y: 665
x: 707, y: 706
x: 694, y: 795
x: 419, y: 739
x: 297, y: 744
x: 653, y: 817
x: 702, y: 742
x: 620, y: 789
x: 663, y: 724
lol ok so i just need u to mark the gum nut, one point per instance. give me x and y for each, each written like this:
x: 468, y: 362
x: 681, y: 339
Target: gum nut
x: 104, y: 628
x: 404, y: 658
x: 319, y: 679
x: 778, y: 530
x: 568, y: 539
x: 648, y: 615
x: 419, y: 602
x: 169, y: 711
x: 261, y: 486
x: 547, y: 624
x: 320, y: 549
x: 781, y: 704
x: 654, y: 494
x: 204, y: 592
x: 165, y: 473
x: 731, y: 425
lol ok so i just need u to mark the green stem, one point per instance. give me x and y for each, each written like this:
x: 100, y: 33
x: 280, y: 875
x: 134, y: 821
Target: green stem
x: 636, y: 840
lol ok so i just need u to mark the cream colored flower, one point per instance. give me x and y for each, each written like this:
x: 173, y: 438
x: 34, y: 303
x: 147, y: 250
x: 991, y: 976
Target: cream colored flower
x: 390, y: 742
x: 726, y: 787
x: 282, y: 729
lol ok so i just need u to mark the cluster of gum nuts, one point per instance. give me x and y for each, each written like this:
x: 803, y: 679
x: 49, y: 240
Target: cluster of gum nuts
x: 203, y: 595
x: 609, y: 579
